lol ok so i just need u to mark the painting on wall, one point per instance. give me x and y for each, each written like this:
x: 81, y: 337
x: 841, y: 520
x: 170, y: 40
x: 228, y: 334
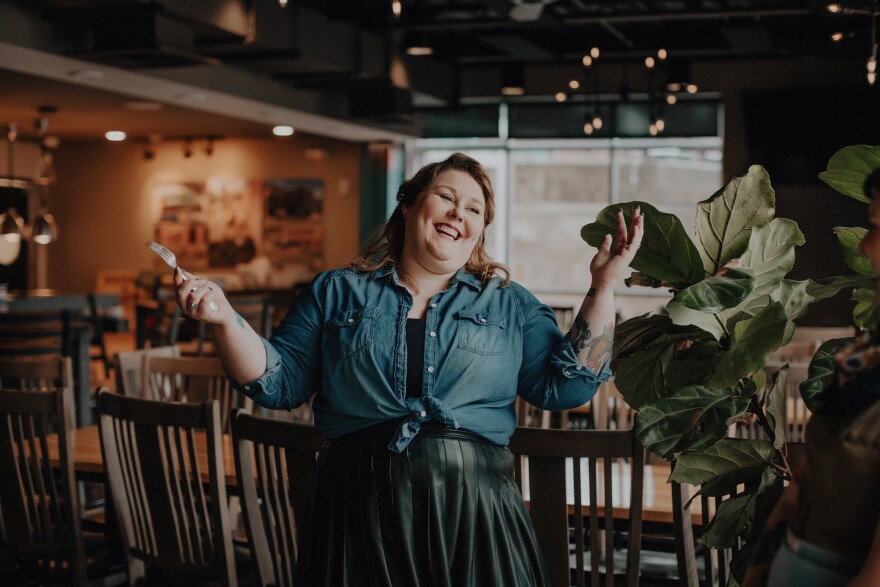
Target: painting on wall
x: 225, y: 222
x: 293, y: 227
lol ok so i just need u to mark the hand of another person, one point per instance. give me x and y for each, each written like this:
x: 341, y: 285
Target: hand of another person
x: 202, y: 299
x: 607, y: 266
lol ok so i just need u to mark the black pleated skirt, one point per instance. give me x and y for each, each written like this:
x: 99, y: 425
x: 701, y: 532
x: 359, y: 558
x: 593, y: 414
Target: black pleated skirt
x: 445, y: 512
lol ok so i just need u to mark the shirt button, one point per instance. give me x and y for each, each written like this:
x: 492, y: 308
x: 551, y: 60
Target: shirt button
x: 483, y: 320
x: 423, y: 413
x: 351, y: 320
x: 430, y: 369
x: 433, y: 305
x: 433, y: 334
x: 247, y: 387
x: 579, y: 367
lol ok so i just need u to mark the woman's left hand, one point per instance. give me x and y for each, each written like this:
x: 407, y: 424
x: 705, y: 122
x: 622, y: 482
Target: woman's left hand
x: 608, y: 265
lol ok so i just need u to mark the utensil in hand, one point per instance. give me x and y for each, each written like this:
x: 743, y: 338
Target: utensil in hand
x: 166, y: 255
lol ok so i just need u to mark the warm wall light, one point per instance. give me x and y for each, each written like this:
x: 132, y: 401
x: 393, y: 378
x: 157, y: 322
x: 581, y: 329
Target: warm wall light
x: 594, y: 52
x: 671, y: 99
x: 282, y: 131
x: 661, y: 54
x: 561, y: 96
x: 587, y: 60
x: 12, y: 226
x: 44, y: 229
x: 574, y: 84
x: 649, y: 62
x: 114, y: 135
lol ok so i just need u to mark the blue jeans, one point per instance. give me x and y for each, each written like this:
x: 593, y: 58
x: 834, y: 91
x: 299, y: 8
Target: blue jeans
x: 799, y: 564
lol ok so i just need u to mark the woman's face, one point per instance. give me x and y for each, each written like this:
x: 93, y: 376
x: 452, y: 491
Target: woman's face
x: 444, y: 225
x: 870, y: 245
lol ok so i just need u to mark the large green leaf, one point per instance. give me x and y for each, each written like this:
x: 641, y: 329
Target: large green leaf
x: 771, y: 256
x: 775, y: 409
x: 692, y: 365
x: 667, y: 253
x: 736, y: 458
x: 754, y: 340
x: 849, y: 168
x: 733, y: 518
x: 771, y: 253
x: 821, y: 372
x: 682, y: 316
x: 691, y: 418
x: 849, y: 239
x: 717, y: 293
x: 865, y: 314
x: 645, y: 350
x: 796, y: 296
x: 725, y: 221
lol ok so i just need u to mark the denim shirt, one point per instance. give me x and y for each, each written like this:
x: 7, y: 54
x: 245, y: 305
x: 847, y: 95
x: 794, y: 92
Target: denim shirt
x: 344, y: 340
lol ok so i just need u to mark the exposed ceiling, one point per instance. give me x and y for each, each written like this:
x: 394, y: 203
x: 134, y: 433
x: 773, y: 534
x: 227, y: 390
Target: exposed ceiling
x: 340, y: 68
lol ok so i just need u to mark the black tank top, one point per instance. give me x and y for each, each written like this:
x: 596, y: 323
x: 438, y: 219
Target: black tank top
x: 415, y: 356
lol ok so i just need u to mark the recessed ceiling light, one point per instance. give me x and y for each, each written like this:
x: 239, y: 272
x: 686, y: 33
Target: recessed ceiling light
x: 114, y: 135
x: 282, y: 131
x: 419, y: 51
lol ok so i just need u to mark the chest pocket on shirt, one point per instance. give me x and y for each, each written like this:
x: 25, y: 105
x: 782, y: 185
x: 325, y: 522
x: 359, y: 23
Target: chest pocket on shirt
x: 350, y: 332
x: 481, y: 333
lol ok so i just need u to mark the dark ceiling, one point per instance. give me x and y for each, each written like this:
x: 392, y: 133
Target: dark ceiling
x: 347, y: 60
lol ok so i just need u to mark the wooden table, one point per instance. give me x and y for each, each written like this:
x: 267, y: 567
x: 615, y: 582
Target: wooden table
x: 89, y: 463
x: 656, y: 500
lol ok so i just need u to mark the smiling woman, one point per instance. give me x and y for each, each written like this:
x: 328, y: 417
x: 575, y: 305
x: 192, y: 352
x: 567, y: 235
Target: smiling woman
x: 415, y: 356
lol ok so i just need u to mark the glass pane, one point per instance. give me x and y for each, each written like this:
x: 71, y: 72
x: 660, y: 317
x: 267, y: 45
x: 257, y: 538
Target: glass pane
x: 672, y: 179
x: 553, y: 194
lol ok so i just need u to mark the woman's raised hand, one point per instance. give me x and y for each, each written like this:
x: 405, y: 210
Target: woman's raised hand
x: 201, y: 299
x: 607, y: 266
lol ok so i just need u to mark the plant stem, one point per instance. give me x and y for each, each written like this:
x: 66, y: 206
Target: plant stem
x: 720, y: 323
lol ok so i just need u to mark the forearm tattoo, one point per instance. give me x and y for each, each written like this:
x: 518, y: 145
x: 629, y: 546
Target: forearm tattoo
x: 239, y: 319
x: 593, y: 352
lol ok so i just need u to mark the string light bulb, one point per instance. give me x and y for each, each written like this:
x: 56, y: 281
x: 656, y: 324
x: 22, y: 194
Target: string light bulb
x: 396, y: 8
x: 871, y: 66
x: 588, y: 128
x: 597, y: 122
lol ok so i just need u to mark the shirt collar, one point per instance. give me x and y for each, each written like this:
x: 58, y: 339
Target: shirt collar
x: 461, y: 275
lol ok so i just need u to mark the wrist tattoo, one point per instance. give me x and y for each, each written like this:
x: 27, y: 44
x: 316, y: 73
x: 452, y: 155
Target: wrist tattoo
x: 239, y: 319
x: 591, y: 293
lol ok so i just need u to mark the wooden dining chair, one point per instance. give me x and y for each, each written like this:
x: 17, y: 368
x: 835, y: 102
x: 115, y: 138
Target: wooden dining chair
x: 129, y: 368
x: 275, y: 463
x: 192, y: 379
x: 698, y: 565
x: 37, y: 374
x: 35, y: 334
x: 96, y: 321
x: 585, y: 484
x: 40, y: 515
x: 170, y: 503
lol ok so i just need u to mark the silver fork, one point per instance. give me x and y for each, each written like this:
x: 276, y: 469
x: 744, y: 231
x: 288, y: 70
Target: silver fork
x: 166, y: 255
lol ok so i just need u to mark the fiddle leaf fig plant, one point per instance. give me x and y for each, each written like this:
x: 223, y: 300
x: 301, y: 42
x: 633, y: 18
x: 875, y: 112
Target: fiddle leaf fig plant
x: 699, y: 367
x: 848, y: 170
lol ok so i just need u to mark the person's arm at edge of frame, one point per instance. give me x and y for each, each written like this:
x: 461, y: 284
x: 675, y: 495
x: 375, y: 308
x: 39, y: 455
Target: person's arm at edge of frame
x: 238, y: 346
x: 592, y: 332
x: 869, y: 576
x: 771, y: 537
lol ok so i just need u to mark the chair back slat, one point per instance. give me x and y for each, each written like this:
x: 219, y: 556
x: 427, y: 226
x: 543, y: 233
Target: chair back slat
x: 192, y: 379
x: 172, y: 511
x: 276, y: 466
x: 612, y: 462
x: 129, y: 367
x: 39, y: 517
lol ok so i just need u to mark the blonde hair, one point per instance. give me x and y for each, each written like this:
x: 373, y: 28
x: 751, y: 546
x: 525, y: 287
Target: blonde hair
x: 387, y: 248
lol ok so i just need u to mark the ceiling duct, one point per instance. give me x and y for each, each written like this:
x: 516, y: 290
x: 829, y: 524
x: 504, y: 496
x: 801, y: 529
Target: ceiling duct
x: 139, y: 37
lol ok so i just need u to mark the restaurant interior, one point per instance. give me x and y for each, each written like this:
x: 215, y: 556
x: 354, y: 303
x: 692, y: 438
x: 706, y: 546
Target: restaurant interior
x: 263, y: 141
